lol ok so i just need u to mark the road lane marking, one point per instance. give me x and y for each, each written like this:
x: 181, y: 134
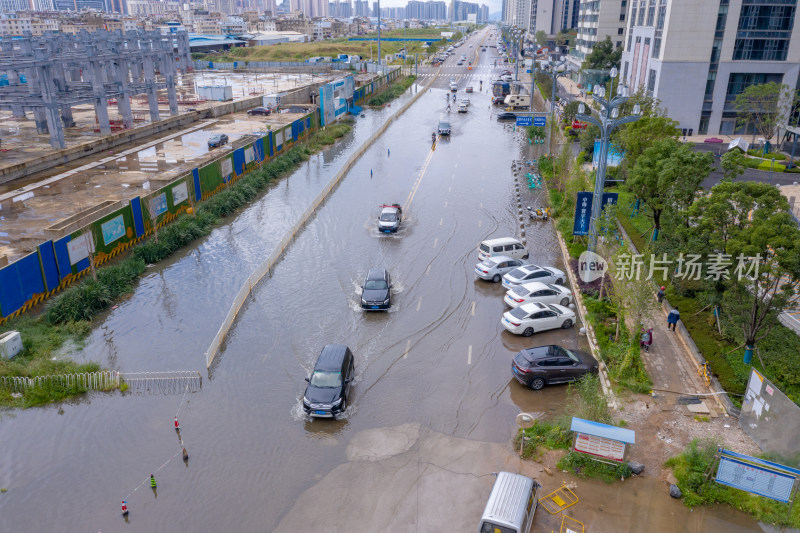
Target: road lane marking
x: 435, y: 242
x: 445, y: 203
x: 419, y: 180
x: 408, y: 347
x: 480, y: 222
x: 441, y: 221
x: 428, y: 271
x: 469, y: 355
x: 455, y: 166
x: 419, y: 303
x: 473, y: 308
x: 481, y: 204
x: 450, y: 189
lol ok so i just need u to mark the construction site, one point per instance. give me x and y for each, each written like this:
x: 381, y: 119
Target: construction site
x: 91, y: 120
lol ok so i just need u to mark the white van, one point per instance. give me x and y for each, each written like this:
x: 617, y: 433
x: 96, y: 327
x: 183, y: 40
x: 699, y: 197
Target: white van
x: 511, y: 505
x: 504, y: 246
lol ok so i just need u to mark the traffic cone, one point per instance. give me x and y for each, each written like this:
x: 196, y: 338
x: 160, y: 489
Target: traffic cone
x: 177, y: 425
x: 124, y: 508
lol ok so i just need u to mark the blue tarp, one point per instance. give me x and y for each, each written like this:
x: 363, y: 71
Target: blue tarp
x: 597, y: 429
x: 355, y: 110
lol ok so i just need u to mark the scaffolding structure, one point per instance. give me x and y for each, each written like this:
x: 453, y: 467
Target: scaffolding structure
x: 48, y: 75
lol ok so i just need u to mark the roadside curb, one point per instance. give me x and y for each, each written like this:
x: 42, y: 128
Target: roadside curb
x: 268, y: 265
x: 605, y: 381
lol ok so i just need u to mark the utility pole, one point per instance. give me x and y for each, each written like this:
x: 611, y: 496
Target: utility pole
x: 533, y: 77
x: 379, y: 33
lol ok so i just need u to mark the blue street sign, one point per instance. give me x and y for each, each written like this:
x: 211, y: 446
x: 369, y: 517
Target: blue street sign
x: 583, y: 213
x: 539, y: 121
x: 524, y: 121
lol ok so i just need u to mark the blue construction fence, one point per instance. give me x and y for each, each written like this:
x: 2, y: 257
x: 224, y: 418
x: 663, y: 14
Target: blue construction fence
x: 59, y: 262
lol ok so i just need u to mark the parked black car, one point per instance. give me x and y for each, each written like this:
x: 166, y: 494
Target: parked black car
x: 376, y: 291
x: 263, y: 111
x: 217, y: 140
x: 505, y: 115
x: 546, y: 365
x: 326, y: 393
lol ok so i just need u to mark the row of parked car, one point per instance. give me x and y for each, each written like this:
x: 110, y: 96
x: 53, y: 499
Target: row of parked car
x: 538, y: 301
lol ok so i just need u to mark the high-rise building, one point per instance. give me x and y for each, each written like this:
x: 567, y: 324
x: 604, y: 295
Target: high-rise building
x: 598, y: 19
x: 97, y: 5
x: 361, y: 8
x: 460, y: 10
x: 12, y: 6
x: 415, y: 10
x: 696, y: 63
x: 549, y: 16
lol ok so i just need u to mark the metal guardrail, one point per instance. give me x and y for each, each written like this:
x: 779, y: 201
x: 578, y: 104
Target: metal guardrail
x: 176, y: 382
x: 102, y: 380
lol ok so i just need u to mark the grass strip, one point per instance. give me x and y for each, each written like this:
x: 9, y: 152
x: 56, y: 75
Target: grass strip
x: 691, y: 468
x: 392, y: 91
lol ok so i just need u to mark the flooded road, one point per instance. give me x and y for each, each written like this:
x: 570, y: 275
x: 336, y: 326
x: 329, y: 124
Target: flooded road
x: 438, y: 360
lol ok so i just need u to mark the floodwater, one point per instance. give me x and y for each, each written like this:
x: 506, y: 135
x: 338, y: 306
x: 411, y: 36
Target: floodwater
x: 439, y: 358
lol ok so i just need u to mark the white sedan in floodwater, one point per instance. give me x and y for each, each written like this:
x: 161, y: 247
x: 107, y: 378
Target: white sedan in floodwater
x: 527, y: 319
x: 544, y: 293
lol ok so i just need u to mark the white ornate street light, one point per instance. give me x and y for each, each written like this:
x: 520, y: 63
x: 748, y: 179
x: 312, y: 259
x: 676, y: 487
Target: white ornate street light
x: 607, y: 122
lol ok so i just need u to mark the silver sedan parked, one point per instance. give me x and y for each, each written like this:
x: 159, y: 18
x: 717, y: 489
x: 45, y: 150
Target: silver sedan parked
x: 529, y: 273
x: 493, y: 268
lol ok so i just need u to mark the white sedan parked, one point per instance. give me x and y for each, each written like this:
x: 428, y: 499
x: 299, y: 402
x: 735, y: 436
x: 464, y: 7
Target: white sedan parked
x: 527, y: 319
x: 493, y: 268
x: 529, y: 273
x: 544, y: 293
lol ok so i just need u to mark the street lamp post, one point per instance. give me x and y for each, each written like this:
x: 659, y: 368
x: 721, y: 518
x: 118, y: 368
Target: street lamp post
x: 608, y: 121
x: 554, y: 66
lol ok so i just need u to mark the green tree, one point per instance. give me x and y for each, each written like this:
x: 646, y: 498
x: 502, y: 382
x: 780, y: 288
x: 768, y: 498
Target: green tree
x: 541, y: 38
x: 565, y: 37
x: 766, y: 106
x: 733, y: 164
x: 603, y: 56
x: 649, y: 106
x: 571, y: 109
x: 738, y: 221
x: 667, y: 176
x: 638, y: 136
x: 587, y: 138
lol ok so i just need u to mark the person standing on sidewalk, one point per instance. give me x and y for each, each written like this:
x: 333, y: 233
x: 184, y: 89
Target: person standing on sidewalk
x: 646, y: 338
x: 672, y: 319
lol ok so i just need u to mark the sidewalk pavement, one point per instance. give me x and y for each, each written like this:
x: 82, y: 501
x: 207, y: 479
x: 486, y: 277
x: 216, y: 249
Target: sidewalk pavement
x: 673, y: 369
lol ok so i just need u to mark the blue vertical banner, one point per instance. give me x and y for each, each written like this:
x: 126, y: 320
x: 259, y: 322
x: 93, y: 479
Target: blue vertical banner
x: 609, y: 198
x: 198, y: 192
x: 583, y: 213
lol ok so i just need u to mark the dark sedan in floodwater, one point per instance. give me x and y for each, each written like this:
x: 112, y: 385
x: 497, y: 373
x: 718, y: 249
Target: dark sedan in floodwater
x: 376, y: 291
x: 547, y: 365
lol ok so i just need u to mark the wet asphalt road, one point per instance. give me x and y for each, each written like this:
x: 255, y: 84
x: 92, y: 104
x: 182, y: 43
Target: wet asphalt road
x: 439, y: 357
